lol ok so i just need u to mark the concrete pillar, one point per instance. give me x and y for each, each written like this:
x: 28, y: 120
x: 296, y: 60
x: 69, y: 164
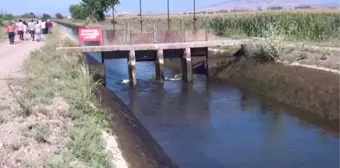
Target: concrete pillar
x: 186, y: 65
x: 102, y: 56
x: 132, y: 67
x: 159, y: 66
x: 207, y: 61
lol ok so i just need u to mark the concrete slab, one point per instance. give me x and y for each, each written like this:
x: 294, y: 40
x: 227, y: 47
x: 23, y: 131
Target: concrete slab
x: 184, y: 45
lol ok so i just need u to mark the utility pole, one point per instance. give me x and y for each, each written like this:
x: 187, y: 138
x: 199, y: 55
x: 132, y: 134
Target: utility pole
x: 113, y: 17
x: 141, y: 17
x: 194, y: 15
x: 168, y: 15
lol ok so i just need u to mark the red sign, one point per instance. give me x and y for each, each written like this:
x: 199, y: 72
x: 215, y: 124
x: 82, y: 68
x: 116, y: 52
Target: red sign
x: 89, y: 34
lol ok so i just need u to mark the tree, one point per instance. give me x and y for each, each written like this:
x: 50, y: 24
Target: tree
x: 46, y: 16
x: 32, y: 15
x: 97, y: 8
x: 29, y: 15
x: 78, y: 11
x: 5, y: 16
x: 8, y: 16
x: 303, y: 7
x: 59, y: 16
x: 274, y: 8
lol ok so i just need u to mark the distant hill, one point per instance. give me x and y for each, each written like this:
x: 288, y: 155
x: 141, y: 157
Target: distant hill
x: 270, y: 4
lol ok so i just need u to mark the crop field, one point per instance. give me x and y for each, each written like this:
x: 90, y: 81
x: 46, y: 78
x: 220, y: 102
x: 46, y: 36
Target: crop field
x: 301, y: 25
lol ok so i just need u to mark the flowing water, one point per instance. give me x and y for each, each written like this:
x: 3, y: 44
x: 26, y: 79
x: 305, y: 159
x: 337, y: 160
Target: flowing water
x: 212, y: 124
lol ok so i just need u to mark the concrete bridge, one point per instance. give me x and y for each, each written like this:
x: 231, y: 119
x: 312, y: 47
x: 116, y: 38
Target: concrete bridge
x: 155, y: 46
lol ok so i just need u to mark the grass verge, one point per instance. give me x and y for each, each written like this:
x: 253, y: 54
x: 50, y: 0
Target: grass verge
x: 3, y: 34
x: 58, y: 85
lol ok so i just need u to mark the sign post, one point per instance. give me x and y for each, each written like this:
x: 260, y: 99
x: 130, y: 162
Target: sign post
x: 89, y: 34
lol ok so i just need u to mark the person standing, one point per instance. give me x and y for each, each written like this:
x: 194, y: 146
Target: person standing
x: 38, y: 31
x: 31, y: 29
x: 11, y: 32
x: 19, y: 27
x: 49, y: 26
x: 16, y: 23
x: 24, y: 30
x: 43, y: 26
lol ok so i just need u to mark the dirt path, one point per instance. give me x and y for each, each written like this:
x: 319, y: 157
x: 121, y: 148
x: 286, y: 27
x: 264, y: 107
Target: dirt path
x: 12, y: 58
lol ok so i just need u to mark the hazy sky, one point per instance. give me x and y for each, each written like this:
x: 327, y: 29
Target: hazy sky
x: 53, y: 6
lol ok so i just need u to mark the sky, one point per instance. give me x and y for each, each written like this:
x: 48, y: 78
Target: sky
x: 54, y: 6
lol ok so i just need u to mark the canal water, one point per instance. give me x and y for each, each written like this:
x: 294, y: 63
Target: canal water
x: 213, y: 124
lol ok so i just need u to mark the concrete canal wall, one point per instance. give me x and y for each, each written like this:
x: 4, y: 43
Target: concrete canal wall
x: 138, y: 146
x: 309, y: 89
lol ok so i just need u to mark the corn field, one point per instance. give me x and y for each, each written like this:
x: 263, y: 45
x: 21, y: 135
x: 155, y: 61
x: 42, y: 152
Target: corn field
x: 306, y: 26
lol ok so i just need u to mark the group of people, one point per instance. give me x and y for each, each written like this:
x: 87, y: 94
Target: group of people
x: 31, y: 29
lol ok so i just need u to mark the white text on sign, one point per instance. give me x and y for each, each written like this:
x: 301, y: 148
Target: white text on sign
x: 89, y: 33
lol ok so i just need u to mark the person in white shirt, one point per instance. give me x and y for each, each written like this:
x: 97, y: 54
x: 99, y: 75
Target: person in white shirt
x: 43, y: 26
x: 38, y: 31
x: 31, y: 29
x: 20, y: 29
x: 24, y: 30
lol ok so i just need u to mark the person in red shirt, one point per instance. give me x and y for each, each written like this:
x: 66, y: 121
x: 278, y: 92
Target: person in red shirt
x: 11, y: 32
x: 49, y: 26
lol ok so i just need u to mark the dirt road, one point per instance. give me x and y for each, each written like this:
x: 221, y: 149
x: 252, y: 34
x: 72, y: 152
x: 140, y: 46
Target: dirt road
x: 12, y: 58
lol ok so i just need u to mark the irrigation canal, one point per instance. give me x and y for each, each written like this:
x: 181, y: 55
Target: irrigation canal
x: 214, y: 124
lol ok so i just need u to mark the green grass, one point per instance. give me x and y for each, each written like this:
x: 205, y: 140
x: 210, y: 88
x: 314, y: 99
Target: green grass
x: 3, y: 34
x: 51, y: 74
